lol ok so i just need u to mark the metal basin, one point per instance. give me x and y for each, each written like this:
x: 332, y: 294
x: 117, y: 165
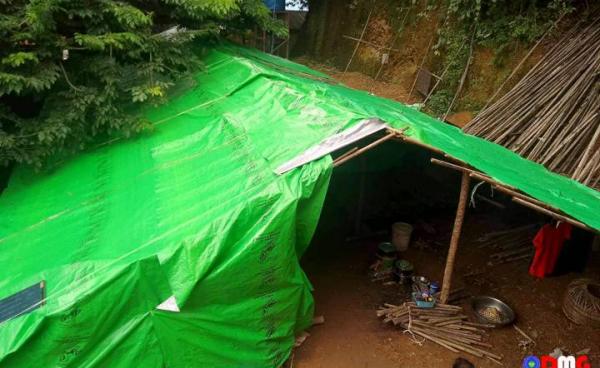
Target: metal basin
x: 481, y: 303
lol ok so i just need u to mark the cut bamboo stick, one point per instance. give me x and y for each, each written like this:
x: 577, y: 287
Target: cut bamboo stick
x: 444, y: 325
x: 552, y: 116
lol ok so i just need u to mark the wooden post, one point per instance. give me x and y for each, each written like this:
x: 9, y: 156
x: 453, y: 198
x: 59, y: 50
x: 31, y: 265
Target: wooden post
x: 458, y: 222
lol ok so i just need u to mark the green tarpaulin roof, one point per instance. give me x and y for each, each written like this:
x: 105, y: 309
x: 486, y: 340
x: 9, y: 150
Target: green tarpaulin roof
x: 193, y: 214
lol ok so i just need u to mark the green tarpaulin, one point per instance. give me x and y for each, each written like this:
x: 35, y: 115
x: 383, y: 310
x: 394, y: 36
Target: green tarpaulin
x: 192, y: 217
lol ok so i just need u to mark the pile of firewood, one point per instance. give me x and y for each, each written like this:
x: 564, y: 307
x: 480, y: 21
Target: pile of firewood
x: 445, y: 325
x: 552, y: 116
x: 510, y: 245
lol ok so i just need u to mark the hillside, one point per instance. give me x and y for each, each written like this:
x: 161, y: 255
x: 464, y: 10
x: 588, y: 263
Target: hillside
x: 415, y: 34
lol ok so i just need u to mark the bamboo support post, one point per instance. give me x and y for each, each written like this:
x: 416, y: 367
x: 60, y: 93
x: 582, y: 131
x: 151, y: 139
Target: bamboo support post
x: 458, y: 222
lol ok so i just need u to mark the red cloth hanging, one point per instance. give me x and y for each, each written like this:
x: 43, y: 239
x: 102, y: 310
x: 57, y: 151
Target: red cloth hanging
x: 548, y: 243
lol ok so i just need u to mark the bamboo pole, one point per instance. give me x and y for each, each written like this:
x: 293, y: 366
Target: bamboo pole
x: 454, y: 334
x: 524, y: 59
x: 551, y: 214
x: 391, y: 45
x: 412, y: 88
x: 551, y: 115
x: 513, y: 192
x: 359, y: 41
x: 463, y: 77
x: 458, y: 222
x: 517, y: 197
x: 364, y: 149
x: 345, y: 154
x: 433, y: 36
x: 400, y: 135
x: 374, y: 45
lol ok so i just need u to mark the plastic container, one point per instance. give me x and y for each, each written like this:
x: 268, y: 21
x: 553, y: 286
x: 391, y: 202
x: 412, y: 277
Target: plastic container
x: 386, y: 249
x: 422, y: 303
x: 404, y: 265
x: 434, y: 287
x: 401, y: 232
x: 386, y: 252
x: 403, y: 271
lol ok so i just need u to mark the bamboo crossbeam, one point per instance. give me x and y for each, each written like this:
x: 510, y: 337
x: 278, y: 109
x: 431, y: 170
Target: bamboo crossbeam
x: 347, y: 153
x: 379, y: 47
x: 551, y: 213
x: 402, y: 137
x: 517, y: 197
x: 511, y: 191
x: 362, y: 35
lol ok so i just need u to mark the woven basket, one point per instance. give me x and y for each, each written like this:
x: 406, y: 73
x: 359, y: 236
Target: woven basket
x: 582, y: 302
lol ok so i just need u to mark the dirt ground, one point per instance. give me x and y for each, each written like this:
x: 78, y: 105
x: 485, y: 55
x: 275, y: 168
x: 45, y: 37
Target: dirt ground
x: 352, y: 335
x: 363, y: 82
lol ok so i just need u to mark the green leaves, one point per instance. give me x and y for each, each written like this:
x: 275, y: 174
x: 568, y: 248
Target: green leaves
x: 42, y: 79
x: 117, y: 41
x: 129, y: 16
x: 500, y: 25
x: 202, y: 9
x: 256, y: 10
x: 74, y: 71
x: 39, y: 15
x: 19, y: 58
x: 143, y: 93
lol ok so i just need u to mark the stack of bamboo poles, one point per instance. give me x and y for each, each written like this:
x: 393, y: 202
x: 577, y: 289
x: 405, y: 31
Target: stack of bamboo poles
x: 445, y: 325
x: 512, y: 254
x: 552, y: 116
x: 510, y: 245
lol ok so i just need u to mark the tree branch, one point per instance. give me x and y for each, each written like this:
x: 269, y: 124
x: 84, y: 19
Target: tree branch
x: 67, y: 78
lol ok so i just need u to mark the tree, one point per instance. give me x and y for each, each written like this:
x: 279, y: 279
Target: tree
x: 73, y: 71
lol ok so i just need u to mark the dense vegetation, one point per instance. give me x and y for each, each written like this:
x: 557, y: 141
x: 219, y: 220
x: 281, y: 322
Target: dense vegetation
x: 71, y: 71
x: 502, y: 25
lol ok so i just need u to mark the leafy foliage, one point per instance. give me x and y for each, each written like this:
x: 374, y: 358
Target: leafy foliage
x: 498, y: 24
x: 71, y: 71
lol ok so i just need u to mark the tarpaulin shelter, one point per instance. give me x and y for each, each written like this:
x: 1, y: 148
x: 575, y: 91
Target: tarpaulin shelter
x: 181, y: 247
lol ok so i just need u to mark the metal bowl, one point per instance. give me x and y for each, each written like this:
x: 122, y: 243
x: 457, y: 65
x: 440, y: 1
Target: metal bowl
x: 479, y: 303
